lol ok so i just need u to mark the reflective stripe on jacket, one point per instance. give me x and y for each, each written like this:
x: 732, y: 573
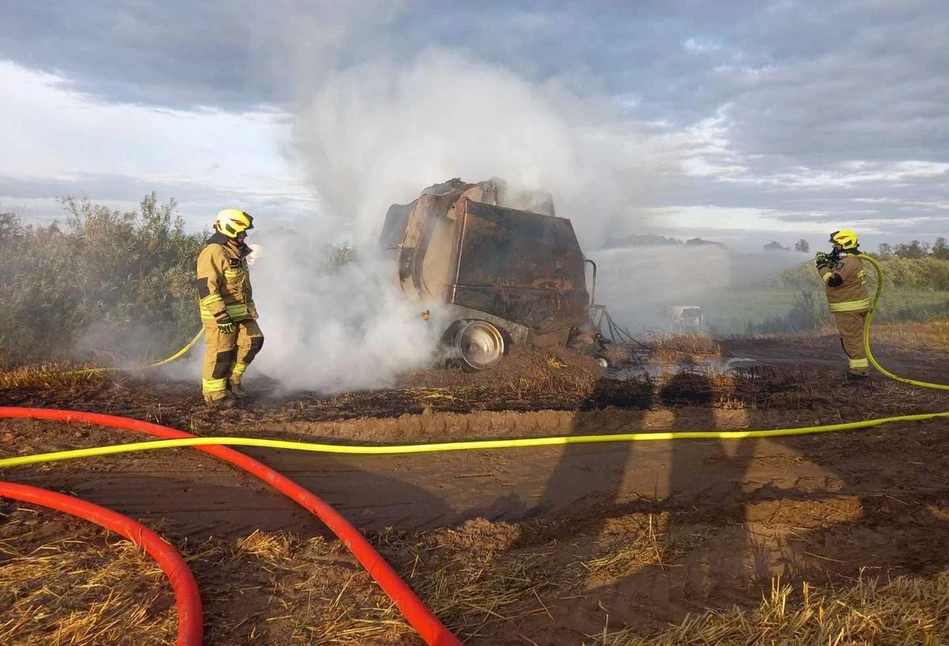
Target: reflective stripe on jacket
x: 224, y: 280
x: 851, y: 295
x: 851, y: 306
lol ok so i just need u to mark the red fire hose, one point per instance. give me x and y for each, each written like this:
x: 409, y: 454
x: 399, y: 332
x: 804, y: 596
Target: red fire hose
x: 432, y: 631
x: 190, y: 628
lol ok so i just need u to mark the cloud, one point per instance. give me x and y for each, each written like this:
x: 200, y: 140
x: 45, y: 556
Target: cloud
x: 197, y: 202
x: 50, y: 128
x: 232, y: 54
x: 58, y: 142
x: 851, y: 80
x: 772, y: 103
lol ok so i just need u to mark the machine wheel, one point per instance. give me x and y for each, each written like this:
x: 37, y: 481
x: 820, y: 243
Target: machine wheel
x: 480, y: 344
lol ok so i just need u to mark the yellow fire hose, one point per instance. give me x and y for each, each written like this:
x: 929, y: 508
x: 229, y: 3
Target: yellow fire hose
x: 92, y: 371
x: 509, y: 443
x: 866, y: 334
x: 178, y: 354
x: 476, y: 445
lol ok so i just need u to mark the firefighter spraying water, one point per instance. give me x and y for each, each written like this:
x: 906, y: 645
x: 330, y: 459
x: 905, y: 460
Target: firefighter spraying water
x: 846, y: 281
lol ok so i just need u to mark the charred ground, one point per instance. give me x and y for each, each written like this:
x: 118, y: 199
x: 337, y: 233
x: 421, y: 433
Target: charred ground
x: 604, y: 543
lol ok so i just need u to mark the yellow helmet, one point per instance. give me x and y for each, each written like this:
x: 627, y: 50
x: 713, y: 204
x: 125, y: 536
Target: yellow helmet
x: 230, y: 222
x: 846, y: 238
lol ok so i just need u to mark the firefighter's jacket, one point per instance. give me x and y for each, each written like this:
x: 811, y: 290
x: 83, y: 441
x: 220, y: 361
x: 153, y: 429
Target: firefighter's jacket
x: 846, y: 283
x: 224, y: 282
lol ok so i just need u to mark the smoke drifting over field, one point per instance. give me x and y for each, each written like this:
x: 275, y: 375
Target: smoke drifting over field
x: 639, y: 284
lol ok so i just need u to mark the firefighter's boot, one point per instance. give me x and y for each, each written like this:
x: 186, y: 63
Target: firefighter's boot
x: 236, y: 389
x: 219, y: 401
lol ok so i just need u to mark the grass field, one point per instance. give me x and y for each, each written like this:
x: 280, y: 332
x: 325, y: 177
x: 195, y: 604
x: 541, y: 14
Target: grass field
x: 760, y: 310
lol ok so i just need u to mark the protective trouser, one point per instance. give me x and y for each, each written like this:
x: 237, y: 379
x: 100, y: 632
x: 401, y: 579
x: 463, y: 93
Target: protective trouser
x: 850, y: 327
x: 228, y: 355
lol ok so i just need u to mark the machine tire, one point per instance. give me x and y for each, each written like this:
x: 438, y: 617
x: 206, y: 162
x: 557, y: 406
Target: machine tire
x: 480, y: 345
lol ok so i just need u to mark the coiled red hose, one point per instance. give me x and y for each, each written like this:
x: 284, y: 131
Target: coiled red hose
x: 187, y: 599
x: 432, y: 631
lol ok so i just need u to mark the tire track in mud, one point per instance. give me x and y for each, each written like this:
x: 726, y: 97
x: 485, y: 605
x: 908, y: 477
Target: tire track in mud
x: 420, y: 492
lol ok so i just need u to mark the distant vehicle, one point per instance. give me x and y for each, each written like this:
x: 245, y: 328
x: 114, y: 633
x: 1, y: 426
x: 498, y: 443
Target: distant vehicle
x: 683, y: 318
x: 507, y: 268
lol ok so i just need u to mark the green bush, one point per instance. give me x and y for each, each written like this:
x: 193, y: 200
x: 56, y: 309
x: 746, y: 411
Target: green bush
x: 914, y: 289
x: 929, y: 273
x: 111, y: 286
x: 808, y: 311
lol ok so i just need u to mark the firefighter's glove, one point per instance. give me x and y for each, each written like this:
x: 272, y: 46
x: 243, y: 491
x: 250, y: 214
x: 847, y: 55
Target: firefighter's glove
x: 225, y: 325
x: 822, y: 260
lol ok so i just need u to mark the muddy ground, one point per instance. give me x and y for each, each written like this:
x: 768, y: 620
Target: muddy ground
x: 615, y: 536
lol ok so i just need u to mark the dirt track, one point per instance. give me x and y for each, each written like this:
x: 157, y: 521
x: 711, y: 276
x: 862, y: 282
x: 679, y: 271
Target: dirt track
x: 818, y: 507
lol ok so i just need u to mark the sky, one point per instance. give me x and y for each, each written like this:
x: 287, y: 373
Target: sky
x: 730, y: 120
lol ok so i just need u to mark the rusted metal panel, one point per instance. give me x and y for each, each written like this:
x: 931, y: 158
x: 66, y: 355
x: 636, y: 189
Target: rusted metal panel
x: 410, y: 229
x: 520, y: 266
x: 393, y: 231
x: 456, y: 244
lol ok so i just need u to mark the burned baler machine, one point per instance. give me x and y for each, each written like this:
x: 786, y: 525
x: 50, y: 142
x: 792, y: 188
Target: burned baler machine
x: 507, y: 275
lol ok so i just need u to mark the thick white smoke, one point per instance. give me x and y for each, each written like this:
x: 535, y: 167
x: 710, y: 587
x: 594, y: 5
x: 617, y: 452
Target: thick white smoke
x: 379, y: 133
x: 333, y: 329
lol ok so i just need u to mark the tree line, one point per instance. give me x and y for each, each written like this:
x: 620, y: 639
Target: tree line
x: 913, y: 250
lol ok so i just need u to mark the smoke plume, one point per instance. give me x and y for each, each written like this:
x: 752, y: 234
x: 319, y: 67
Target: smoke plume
x: 377, y: 134
x: 333, y: 328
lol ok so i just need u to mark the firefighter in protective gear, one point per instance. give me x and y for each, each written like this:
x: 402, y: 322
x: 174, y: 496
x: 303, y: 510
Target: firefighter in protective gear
x: 228, y: 314
x: 846, y: 282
